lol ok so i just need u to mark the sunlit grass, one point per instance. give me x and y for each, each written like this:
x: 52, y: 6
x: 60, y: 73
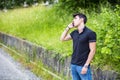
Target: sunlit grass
x: 39, y: 25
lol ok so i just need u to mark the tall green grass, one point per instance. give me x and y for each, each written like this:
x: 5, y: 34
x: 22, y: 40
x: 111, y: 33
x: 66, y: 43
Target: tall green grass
x: 40, y: 25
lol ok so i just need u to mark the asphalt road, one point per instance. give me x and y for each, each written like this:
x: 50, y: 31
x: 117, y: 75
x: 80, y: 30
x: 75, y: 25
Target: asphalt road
x: 12, y: 70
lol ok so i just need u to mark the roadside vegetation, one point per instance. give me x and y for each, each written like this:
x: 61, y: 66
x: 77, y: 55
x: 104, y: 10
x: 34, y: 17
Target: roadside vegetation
x: 43, y: 26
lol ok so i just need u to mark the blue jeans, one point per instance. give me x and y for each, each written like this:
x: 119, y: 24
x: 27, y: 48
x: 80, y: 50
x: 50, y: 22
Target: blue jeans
x: 76, y: 73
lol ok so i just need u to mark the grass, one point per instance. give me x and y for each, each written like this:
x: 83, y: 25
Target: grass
x: 39, y: 25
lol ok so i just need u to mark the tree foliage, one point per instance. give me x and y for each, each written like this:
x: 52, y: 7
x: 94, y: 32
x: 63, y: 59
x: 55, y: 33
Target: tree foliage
x: 13, y: 3
x: 76, y: 5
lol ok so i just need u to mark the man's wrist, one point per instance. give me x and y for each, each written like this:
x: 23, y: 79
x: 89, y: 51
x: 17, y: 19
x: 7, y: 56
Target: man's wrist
x: 67, y: 28
x: 85, y: 66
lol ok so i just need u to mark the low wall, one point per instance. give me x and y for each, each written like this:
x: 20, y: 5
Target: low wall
x: 48, y: 58
x: 37, y: 52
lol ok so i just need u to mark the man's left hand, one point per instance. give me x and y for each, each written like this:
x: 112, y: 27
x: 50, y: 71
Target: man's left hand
x: 84, y: 70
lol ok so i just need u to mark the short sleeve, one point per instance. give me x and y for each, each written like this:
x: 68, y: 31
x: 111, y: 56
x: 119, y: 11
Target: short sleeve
x: 92, y: 37
x: 72, y: 33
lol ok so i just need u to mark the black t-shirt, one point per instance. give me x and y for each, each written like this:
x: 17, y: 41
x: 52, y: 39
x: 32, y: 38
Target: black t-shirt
x: 81, y: 45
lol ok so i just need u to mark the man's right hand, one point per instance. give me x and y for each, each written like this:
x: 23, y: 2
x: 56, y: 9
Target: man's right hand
x: 71, y: 25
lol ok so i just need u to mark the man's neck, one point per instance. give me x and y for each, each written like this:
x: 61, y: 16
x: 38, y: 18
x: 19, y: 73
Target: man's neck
x: 81, y: 27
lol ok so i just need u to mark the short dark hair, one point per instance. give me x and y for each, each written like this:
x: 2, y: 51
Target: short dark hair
x: 81, y: 15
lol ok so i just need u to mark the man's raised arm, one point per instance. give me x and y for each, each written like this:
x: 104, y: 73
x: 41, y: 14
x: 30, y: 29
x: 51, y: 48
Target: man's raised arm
x: 65, y: 36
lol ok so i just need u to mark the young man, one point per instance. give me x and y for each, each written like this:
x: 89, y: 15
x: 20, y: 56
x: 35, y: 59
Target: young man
x: 84, y: 47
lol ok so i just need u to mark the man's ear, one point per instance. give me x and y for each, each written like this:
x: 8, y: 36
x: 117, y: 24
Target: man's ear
x: 82, y: 19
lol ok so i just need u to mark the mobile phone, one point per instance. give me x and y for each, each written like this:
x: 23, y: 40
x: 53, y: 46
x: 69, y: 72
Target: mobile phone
x: 73, y: 24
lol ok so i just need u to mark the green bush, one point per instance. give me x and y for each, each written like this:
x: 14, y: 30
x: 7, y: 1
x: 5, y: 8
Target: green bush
x: 108, y: 43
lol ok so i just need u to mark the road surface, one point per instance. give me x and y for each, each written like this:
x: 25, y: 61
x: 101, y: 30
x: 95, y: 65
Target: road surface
x: 12, y: 70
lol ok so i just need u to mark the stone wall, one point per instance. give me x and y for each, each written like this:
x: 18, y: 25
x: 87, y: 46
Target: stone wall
x: 48, y: 58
